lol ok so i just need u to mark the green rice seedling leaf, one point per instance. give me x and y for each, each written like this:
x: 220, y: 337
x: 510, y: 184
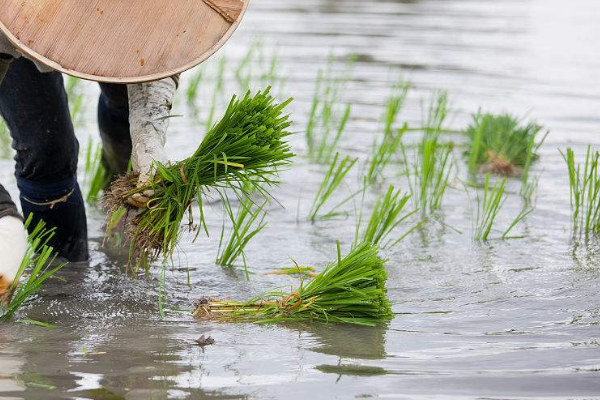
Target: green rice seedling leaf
x: 331, y: 181
x: 37, y: 265
x: 584, y: 184
x: 501, y: 144
x: 387, y: 215
x: 247, y: 145
x: 350, y: 290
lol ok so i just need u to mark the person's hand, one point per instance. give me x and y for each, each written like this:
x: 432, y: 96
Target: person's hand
x: 149, y: 112
x: 13, y: 245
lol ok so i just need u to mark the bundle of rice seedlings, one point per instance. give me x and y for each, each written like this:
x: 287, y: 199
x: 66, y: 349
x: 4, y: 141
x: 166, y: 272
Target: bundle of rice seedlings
x: 500, y: 144
x: 38, y: 260
x: 247, y: 145
x: 351, y: 290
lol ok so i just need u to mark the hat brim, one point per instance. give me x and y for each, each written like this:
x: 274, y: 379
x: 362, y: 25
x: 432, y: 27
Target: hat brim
x: 120, y: 41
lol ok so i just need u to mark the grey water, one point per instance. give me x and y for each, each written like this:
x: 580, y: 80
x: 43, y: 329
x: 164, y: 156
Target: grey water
x: 515, y: 319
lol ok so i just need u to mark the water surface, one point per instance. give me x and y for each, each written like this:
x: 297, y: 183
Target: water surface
x: 507, y: 320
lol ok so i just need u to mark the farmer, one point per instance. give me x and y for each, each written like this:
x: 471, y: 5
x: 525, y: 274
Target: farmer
x: 33, y: 102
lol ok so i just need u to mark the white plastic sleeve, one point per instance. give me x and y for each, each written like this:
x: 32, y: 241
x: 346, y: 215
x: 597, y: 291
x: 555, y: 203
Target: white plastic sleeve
x: 149, y: 110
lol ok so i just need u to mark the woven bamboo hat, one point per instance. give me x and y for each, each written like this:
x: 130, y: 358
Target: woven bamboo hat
x: 120, y: 41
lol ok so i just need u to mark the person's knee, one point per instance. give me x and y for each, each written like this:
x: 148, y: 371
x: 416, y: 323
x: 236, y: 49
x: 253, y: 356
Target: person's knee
x: 36, y: 110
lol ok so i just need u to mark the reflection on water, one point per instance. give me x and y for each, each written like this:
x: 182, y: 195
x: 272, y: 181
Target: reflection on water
x: 517, y: 319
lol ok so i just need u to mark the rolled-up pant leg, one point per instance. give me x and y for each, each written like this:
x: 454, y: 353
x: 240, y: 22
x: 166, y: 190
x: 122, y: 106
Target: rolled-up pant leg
x: 113, y: 123
x: 35, y: 108
x: 7, y: 207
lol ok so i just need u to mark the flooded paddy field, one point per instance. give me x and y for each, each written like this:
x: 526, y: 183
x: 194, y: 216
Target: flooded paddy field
x: 506, y: 319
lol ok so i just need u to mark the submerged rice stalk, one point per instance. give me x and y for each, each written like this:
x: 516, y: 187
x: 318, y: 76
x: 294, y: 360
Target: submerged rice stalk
x: 350, y: 290
x: 331, y: 181
x: 585, y: 192
x: 387, y: 215
x: 37, y: 261
x: 248, y: 222
x: 247, y: 145
x: 501, y: 145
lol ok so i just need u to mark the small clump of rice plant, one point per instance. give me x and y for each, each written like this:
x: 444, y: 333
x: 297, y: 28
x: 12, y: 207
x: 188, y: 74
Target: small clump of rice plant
x: 429, y: 176
x: 191, y: 93
x: 584, y: 183
x: 350, y: 290
x: 383, y: 152
x: 36, y: 268
x: 387, y: 215
x: 247, y: 222
x: 247, y: 146
x: 502, y: 144
x: 260, y: 65
x: 430, y: 173
x: 327, y: 118
x: 331, y: 181
x: 488, y: 208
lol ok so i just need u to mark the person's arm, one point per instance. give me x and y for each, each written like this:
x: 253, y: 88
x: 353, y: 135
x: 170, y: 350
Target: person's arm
x: 149, y: 111
x: 13, y: 243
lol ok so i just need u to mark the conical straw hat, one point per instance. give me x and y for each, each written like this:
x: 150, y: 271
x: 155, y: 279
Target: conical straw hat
x: 120, y: 41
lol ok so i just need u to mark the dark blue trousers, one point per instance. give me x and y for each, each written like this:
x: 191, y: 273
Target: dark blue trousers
x: 35, y: 107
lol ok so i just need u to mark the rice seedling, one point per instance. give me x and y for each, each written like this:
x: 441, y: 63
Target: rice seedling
x: 430, y: 173
x: 387, y: 215
x: 248, y: 222
x: 76, y: 100
x: 37, y: 264
x: 5, y: 140
x: 331, y: 181
x: 584, y: 186
x: 488, y: 208
x: 247, y: 145
x: 191, y: 92
x: 216, y: 93
x: 383, y: 152
x: 350, y: 290
x: 258, y: 67
x: 327, y: 122
x: 436, y: 115
x: 95, y: 175
x: 501, y: 144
